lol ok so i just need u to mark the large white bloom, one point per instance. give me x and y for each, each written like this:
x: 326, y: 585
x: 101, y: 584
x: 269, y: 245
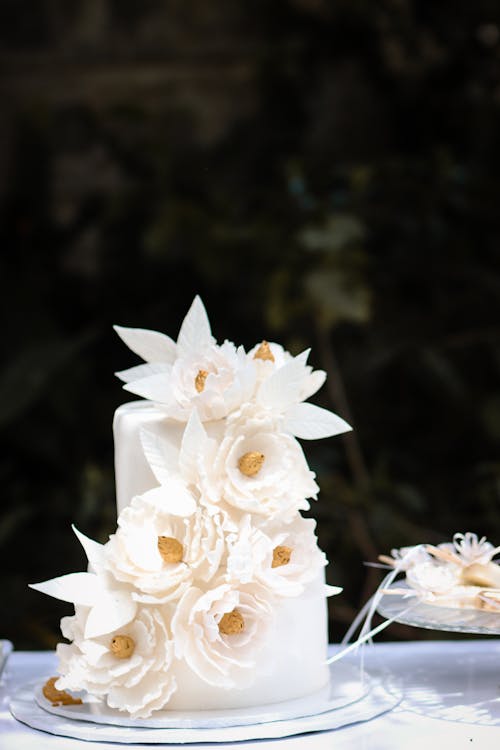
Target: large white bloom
x: 129, y: 667
x: 283, y: 558
x: 194, y: 373
x: 260, y: 470
x: 160, y: 550
x: 220, y: 632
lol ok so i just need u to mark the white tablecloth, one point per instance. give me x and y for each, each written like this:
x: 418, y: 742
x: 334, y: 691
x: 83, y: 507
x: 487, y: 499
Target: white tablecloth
x: 436, y: 679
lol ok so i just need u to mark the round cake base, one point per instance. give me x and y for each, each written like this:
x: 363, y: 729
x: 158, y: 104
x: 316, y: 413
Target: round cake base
x: 350, y: 698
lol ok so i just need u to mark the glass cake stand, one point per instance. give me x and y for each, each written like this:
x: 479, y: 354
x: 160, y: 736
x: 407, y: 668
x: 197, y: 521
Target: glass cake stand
x: 448, y: 680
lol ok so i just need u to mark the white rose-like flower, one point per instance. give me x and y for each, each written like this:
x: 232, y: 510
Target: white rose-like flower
x: 160, y: 553
x: 219, y: 633
x: 130, y: 668
x: 431, y: 580
x: 194, y: 373
x: 283, y: 558
x: 261, y: 471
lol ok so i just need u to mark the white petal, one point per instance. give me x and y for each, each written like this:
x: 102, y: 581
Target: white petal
x: 152, y: 346
x: 195, y: 334
x: 93, y: 550
x: 112, y: 611
x: 283, y: 388
x: 142, y: 371
x: 311, y: 422
x: 172, y: 497
x: 77, y: 588
x: 161, y: 455
x: 154, y: 388
x: 192, y: 445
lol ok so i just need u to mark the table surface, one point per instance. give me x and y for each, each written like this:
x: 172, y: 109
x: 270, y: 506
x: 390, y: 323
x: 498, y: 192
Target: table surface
x: 453, y: 673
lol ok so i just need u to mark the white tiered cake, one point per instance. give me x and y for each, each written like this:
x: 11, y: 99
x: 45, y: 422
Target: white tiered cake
x: 211, y: 593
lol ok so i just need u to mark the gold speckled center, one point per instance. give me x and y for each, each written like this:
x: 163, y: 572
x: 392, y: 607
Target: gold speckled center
x: 122, y: 646
x: 199, y: 381
x: 264, y: 352
x: 232, y: 623
x: 281, y: 556
x: 251, y: 463
x: 170, y: 549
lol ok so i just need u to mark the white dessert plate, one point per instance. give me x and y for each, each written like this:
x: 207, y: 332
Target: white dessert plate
x: 368, y: 699
x: 411, y: 611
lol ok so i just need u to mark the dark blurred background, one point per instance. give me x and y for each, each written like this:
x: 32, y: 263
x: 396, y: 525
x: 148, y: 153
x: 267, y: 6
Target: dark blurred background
x: 323, y: 174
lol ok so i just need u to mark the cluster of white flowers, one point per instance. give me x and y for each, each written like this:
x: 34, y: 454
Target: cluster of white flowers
x: 198, y: 563
x: 457, y: 574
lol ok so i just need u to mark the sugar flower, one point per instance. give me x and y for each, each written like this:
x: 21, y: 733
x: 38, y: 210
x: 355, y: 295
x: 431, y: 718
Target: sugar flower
x: 130, y: 667
x: 194, y: 373
x: 220, y: 632
x: 283, y: 558
x: 159, y: 551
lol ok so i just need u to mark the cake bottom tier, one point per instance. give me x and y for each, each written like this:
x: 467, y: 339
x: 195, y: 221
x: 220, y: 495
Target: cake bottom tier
x: 291, y: 665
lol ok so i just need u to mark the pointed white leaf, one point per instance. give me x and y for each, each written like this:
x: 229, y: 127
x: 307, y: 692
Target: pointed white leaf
x: 284, y: 387
x: 161, y: 455
x: 152, y: 346
x: 154, y: 388
x: 193, y: 444
x: 195, y: 334
x: 311, y: 422
x: 332, y: 590
x: 313, y: 383
x: 113, y: 610
x: 78, y: 588
x: 93, y: 550
x: 143, y: 371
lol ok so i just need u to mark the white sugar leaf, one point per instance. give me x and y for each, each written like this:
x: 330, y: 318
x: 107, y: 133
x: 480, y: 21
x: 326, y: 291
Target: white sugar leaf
x: 113, y: 610
x: 313, y: 383
x: 195, y: 334
x: 152, y: 346
x: 284, y: 387
x: 161, y: 455
x: 93, y: 550
x: 193, y: 444
x: 311, y: 422
x: 154, y: 388
x: 332, y: 590
x: 143, y: 371
x: 78, y: 588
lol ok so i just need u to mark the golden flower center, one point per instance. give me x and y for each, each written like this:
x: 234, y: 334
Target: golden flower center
x: 122, y: 646
x: 232, y: 623
x: 251, y: 463
x: 264, y: 352
x: 199, y: 381
x: 58, y: 697
x: 170, y: 549
x: 281, y: 556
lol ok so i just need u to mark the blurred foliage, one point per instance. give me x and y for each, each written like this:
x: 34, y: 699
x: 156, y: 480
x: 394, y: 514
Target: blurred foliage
x: 324, y: 174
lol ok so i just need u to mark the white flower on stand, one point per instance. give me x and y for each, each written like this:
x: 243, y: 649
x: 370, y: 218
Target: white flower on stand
x: 430, y: 580
x: 130, y: 667
x: 283, y: 558
x: 220, y: 632
x: 270, y: 356
x: 194, y: 373
x: 159, y: 549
